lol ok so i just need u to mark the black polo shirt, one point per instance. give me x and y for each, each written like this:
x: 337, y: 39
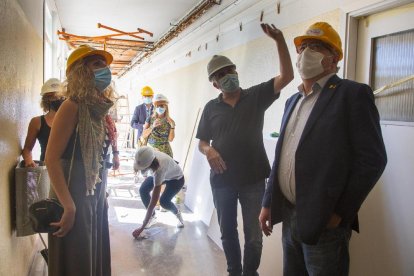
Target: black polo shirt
x: 237, y: 134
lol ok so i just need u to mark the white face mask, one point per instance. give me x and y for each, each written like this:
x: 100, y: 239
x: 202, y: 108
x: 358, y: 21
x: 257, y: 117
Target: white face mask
x: 309, y: 64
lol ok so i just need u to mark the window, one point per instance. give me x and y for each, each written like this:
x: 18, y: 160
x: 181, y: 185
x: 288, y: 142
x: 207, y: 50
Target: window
x: 48, y: 43
x: 393, y: 61
x: 54, y: 50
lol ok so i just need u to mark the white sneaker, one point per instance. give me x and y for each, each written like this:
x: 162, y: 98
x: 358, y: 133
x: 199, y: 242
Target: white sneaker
x: 151, y: 222
x: 180, y: 223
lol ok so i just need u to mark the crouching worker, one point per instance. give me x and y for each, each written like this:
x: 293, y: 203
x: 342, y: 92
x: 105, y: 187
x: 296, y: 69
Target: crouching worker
x: 165, y: 171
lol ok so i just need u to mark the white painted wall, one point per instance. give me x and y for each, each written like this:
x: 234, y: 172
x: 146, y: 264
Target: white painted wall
x: 198, y: 196
x: 183, y: 80
x: 33, y: 10
x: 385, y: 245
x: 21, y: 78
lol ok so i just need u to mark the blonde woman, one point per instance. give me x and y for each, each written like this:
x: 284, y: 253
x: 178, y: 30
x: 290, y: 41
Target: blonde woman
x: 39, y: 127
x: 160, y: 128
x: 80, y: 246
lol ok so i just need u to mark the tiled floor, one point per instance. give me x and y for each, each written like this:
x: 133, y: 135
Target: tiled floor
x: 167, y: 251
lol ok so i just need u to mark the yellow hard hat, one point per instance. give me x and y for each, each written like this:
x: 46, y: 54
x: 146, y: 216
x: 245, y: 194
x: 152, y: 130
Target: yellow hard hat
x: 324, y: 32
x: 84, y: 51
x: 147, y: 91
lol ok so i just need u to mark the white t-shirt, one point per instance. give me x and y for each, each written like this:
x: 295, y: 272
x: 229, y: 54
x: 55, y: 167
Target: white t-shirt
x: 168, y: 170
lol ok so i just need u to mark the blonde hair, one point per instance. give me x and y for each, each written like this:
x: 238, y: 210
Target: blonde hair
x: 167, y: 113
x: 80, y: 85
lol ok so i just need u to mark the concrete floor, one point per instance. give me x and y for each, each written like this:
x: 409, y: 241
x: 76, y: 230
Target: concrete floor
x: 167, y: 251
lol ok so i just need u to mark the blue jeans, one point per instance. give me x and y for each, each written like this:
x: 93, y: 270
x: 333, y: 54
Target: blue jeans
x: 225, y: 201
x: 172, y: 187
x: 330, y: 256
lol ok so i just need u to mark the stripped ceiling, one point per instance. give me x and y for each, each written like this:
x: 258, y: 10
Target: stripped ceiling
x: 128, y: 29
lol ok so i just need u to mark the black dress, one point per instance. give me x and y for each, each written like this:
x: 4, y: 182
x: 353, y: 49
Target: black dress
x: 84, y: 251
x: 43, y: 137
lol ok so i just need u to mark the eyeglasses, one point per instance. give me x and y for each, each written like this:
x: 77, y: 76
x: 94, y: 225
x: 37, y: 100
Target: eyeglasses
x: 224, y: 71
x: 314, y: 46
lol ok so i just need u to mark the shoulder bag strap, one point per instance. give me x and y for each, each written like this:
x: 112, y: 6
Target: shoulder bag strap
x: 73, y: 155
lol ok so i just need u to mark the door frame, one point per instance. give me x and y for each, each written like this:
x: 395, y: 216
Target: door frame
x: 351, y: 32
x: 351, y: 43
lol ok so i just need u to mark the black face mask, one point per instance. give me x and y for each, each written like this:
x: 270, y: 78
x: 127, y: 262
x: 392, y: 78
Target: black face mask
x: 54, y: 105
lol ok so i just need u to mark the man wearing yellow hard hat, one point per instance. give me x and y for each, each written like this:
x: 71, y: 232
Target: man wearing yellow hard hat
x: 143, y: 111
x: 328, y: 157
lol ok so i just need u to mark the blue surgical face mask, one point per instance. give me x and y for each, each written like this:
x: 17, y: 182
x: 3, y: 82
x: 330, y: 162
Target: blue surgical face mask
x: 147, y: 100
x: 229, y: 83
x: 103, y: 78
x: 160, y: 110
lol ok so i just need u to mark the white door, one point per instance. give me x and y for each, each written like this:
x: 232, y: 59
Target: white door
x: 385, y: 53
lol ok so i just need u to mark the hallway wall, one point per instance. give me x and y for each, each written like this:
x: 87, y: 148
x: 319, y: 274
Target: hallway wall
x: 188, y: 89
x: 21, y: 67
x: 179, y: 71
x: 184, y: 79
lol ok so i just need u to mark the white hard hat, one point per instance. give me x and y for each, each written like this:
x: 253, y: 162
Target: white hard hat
x: 143, y: 158
x: 159, y: 98
x: 50, y: 86
x: 216, y: 63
